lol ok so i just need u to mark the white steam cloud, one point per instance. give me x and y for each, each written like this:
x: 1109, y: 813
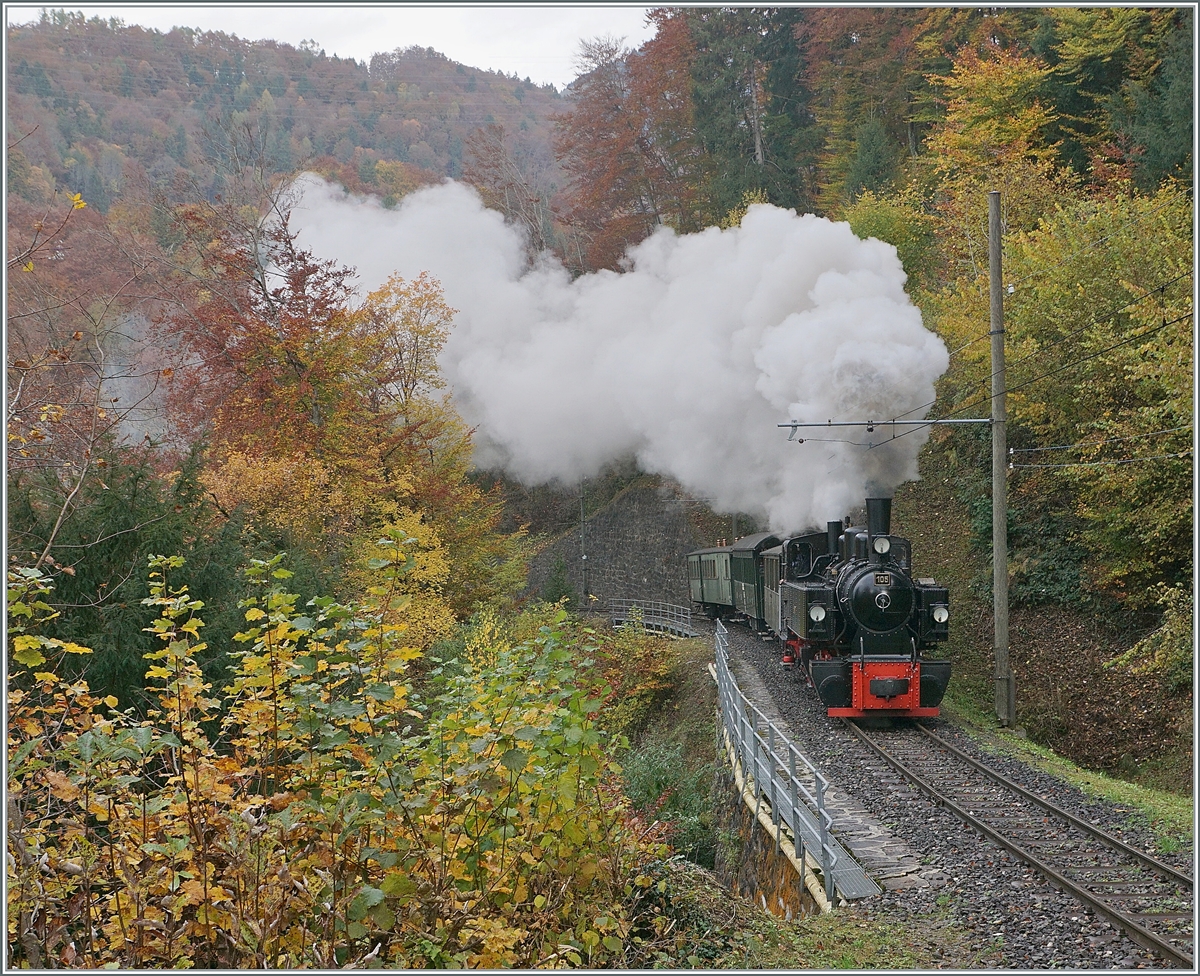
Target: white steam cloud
x: 688, y: 360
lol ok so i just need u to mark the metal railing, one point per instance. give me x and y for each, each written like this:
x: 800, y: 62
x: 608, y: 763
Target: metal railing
x: 774, y: 765
x: 654, y: 614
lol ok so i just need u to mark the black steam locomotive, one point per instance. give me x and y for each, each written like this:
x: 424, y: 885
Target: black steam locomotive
x: 845, y: 603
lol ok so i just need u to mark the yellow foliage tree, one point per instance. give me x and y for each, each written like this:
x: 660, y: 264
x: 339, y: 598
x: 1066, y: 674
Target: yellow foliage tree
x: 993, y: 112
x: 412, y: 322
x: 409, y: 322
x: 397, y: 179
x: 420, y: 594
x: 298, y: 495
x: 993, y: 137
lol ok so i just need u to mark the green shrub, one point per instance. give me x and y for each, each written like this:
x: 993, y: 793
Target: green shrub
x: 556, y: 586
x: 660, y: 784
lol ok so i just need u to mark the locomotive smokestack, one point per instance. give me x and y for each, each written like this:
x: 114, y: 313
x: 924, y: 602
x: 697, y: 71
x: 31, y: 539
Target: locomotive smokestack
x: 879, y: 516
x: 832, y: 531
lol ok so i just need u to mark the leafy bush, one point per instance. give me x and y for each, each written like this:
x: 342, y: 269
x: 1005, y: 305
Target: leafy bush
x: 556, y: 587
x: 634, y: 665
x: 1169, y: 649
x: 660, y: 783
x: 337, y: 821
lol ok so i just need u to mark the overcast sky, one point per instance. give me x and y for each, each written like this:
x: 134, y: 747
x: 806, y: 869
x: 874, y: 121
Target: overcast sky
x: 538, y: 41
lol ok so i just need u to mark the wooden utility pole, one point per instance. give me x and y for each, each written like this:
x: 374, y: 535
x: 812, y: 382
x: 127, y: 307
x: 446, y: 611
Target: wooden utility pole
x: 582, y: 547
x: 1006, y: 690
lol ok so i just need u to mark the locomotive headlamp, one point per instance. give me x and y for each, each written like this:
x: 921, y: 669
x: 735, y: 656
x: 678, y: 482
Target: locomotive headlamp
x: 882, y: 544
x: 941, y: 615
x: 816, y: 613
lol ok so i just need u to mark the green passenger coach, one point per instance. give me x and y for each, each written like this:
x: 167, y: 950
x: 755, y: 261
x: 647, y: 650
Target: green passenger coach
x: 709, y: 580
x: 746, y: 567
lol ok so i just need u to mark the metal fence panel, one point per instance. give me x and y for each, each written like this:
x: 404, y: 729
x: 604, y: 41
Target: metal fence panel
x: 786, y: 779
x: 655, y: 615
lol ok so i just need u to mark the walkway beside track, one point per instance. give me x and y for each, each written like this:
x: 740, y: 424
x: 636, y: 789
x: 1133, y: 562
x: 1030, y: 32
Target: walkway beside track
x: 782, y: 783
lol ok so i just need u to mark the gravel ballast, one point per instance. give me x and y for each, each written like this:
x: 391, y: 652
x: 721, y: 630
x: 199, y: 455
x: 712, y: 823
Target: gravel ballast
x: 1013, y: 919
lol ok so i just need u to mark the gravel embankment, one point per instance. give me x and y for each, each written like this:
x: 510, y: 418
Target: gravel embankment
x: 1013, y: 918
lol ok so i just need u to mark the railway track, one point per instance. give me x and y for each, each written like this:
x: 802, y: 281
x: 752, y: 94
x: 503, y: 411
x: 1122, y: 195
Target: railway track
x: 1151, y: 902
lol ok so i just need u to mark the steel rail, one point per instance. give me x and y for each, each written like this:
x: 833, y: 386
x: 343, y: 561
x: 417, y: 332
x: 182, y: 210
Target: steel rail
x: 1152, y: 863
x: 1136, y: 932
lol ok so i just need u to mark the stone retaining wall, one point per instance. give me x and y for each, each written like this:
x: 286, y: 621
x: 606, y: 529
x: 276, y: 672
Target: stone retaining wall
x: 636, y: 548
x: 748, y: 860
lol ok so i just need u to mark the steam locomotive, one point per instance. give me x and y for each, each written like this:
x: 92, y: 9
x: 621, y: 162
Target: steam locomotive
x: 845, y: 603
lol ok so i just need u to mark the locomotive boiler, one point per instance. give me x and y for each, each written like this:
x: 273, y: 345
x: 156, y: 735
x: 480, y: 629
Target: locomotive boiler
x: 846, y: 606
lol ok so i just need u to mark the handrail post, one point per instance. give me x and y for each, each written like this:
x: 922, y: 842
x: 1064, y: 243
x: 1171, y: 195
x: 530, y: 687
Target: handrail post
x: 797, y: 840
x: 826, y: 865
x: 757, y: 774
x: 774, y: 797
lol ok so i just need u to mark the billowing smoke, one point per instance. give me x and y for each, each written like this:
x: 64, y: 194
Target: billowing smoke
x: 688, y: 360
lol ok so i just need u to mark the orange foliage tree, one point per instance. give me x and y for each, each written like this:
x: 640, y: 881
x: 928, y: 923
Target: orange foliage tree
x: 326, y: 417
x: 629, y: 144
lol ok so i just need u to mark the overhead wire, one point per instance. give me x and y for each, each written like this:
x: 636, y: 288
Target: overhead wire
x: 1092, y: 464
x: 1100, y: 352
x: 1156, y: 290
x: 968, y: 345
x: 1058, y: 369
x: 1159, y: 289
x: 1107, y: 440
x: 831, y: 440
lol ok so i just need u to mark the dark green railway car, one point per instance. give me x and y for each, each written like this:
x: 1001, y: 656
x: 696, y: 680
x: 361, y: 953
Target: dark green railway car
x: 746, y: 567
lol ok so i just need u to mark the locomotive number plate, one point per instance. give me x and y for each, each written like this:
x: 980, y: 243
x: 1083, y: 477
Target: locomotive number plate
x: 883, y: 579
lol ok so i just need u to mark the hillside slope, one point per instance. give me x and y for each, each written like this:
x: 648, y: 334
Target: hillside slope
x: 100, y: 103
x: 1130, y: 725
